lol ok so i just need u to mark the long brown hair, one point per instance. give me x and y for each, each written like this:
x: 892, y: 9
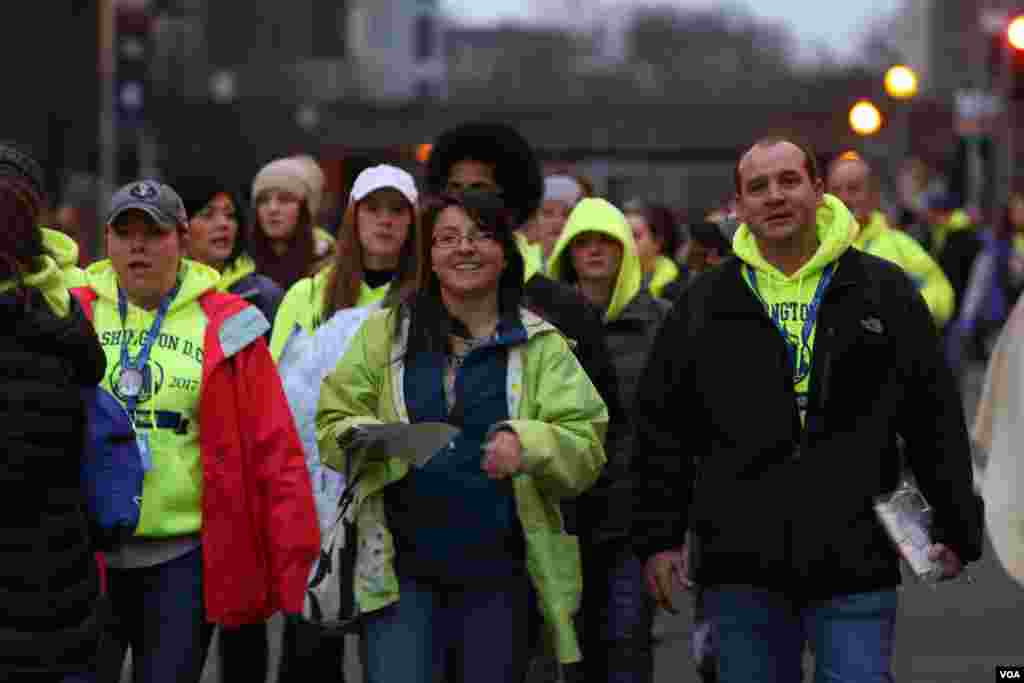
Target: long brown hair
x: 343, y: 285
x: 293, y: 265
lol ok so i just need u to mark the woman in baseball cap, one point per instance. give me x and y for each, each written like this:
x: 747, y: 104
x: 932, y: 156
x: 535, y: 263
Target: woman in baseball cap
x: 228, y: 528
x: 378, y: 233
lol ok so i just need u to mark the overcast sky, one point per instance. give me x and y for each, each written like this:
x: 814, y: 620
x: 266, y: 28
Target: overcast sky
x: 838, y: 24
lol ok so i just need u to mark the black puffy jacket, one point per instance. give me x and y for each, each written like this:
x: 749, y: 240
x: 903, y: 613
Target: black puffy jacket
x: 49, y: 587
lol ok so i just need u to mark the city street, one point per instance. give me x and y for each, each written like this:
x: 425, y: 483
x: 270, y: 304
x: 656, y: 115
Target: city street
x: 954, y: 633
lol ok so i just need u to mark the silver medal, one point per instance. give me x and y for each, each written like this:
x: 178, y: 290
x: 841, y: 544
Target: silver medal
x: 130, y: 382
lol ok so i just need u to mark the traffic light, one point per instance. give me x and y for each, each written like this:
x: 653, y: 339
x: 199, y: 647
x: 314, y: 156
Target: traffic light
x: 133, y: 53
x: 132, y: 49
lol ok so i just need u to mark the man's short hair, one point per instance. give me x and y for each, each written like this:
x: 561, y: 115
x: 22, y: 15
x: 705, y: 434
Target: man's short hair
x: 810, y: 159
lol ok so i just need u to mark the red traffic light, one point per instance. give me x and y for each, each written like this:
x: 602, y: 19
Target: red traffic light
x: 1015, y: 32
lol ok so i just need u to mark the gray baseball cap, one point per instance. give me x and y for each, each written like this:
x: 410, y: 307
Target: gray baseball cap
x: 159, y: 201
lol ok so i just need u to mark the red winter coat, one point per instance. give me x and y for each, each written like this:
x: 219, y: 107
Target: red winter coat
x: 260, y: 533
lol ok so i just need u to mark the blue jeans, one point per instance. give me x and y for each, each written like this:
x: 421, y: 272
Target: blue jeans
x: 158, y: 613
x: 761, y: 636
x: 488, y: 628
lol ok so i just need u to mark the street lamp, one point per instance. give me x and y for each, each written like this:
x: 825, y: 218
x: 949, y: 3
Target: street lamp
x: 865, y: 119
x: 901, y: 82
x: 1015, y: 33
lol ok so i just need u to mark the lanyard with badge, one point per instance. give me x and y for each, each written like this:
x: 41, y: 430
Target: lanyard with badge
x: 800, y: 355
x: 135, y: 373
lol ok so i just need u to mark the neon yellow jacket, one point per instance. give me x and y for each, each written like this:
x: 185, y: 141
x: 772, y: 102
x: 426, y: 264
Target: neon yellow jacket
x: 787, y: 297
x: 533, y: 256
x: 65, y: 252
x: 593, y: 214
x: 560, y: 420
x: 303, y: 306
x: 168, y: 410
x: 665, y: 271
x: 50, y: 282
x: 878, y: 239
x: 958, y: 222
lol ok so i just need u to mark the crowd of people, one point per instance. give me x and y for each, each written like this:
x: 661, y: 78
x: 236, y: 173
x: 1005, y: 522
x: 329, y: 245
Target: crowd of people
x: 641, y: 407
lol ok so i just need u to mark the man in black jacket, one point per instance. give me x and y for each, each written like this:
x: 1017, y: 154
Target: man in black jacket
x: 767, y: 423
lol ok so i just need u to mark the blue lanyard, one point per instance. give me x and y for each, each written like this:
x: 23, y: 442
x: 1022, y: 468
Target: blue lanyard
x: 812, y: 315
x: 139, y: 363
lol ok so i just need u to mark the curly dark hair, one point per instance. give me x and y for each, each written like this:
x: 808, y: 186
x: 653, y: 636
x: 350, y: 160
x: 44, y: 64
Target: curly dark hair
x: 516, y: 169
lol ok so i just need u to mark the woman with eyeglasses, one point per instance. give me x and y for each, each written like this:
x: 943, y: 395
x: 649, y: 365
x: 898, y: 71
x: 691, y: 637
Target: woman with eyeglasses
x: 456, y: 553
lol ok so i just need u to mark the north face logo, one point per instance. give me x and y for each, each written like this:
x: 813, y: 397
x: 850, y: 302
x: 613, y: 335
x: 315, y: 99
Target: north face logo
x: 873, y: 325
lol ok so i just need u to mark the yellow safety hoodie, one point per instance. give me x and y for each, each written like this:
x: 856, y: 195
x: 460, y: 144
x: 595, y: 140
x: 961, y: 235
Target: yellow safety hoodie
x: 878, y: 239
x: 239, y: 268
x: 958, y: 221
x: 65, y: 252
x: 533, y: 256
x: 665, y: 271
x: 598, y: 215
x: 787, y: 298
x: 303, y: 306
x: 50, y: 282
x: 167, y: 410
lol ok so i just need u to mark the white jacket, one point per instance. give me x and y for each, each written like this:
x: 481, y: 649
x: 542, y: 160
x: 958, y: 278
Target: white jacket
x: 999, y: 429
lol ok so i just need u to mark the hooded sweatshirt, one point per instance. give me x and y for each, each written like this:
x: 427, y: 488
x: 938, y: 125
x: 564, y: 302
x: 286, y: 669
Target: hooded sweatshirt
x: 50, y: 282
x: 241, y: 278
x: 788, y: 298
x: 878, y: 239
x: 65, y: 252
x: 631, y: 322
x: 598, y: 215
x: 665, y: 271
x: 167, y: 410
x: 303, y: 306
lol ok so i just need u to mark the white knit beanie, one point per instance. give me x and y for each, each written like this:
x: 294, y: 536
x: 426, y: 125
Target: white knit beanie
x: 290, y: 175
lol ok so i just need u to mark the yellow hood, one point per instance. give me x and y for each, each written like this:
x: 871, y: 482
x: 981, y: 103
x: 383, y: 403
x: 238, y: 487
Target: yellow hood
x: 65, y: 252
x: 875, y: 227
x: 836, y: 230
x: 533, y: 256
x: 243, y: 266
x: 196, y: 280
x: 597, y: 215
x: 49, y: 280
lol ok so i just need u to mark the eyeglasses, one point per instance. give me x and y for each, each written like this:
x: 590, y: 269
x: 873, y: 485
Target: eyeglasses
x: 451, y: 240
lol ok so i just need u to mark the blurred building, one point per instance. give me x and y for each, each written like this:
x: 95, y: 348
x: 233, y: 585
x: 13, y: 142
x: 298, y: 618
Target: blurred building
x: 307, y: 50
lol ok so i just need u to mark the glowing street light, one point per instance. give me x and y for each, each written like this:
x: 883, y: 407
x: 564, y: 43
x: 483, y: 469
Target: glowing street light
x: 1015, y: 33
x: 901, y: 82
x: 865, y: 119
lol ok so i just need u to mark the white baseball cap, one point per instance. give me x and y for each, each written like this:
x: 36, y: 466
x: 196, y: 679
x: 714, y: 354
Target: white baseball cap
x: 383, y: 176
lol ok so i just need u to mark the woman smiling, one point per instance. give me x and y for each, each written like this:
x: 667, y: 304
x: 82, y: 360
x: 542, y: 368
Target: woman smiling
x: 473, y: 540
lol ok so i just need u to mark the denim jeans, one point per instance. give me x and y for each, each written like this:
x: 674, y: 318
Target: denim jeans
x: 761, y: 635
x: 616, y: 618
x: 158, y: 613
x: 488, y: 627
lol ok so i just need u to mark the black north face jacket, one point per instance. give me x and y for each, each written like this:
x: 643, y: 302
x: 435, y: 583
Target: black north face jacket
x: 719, y: 446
